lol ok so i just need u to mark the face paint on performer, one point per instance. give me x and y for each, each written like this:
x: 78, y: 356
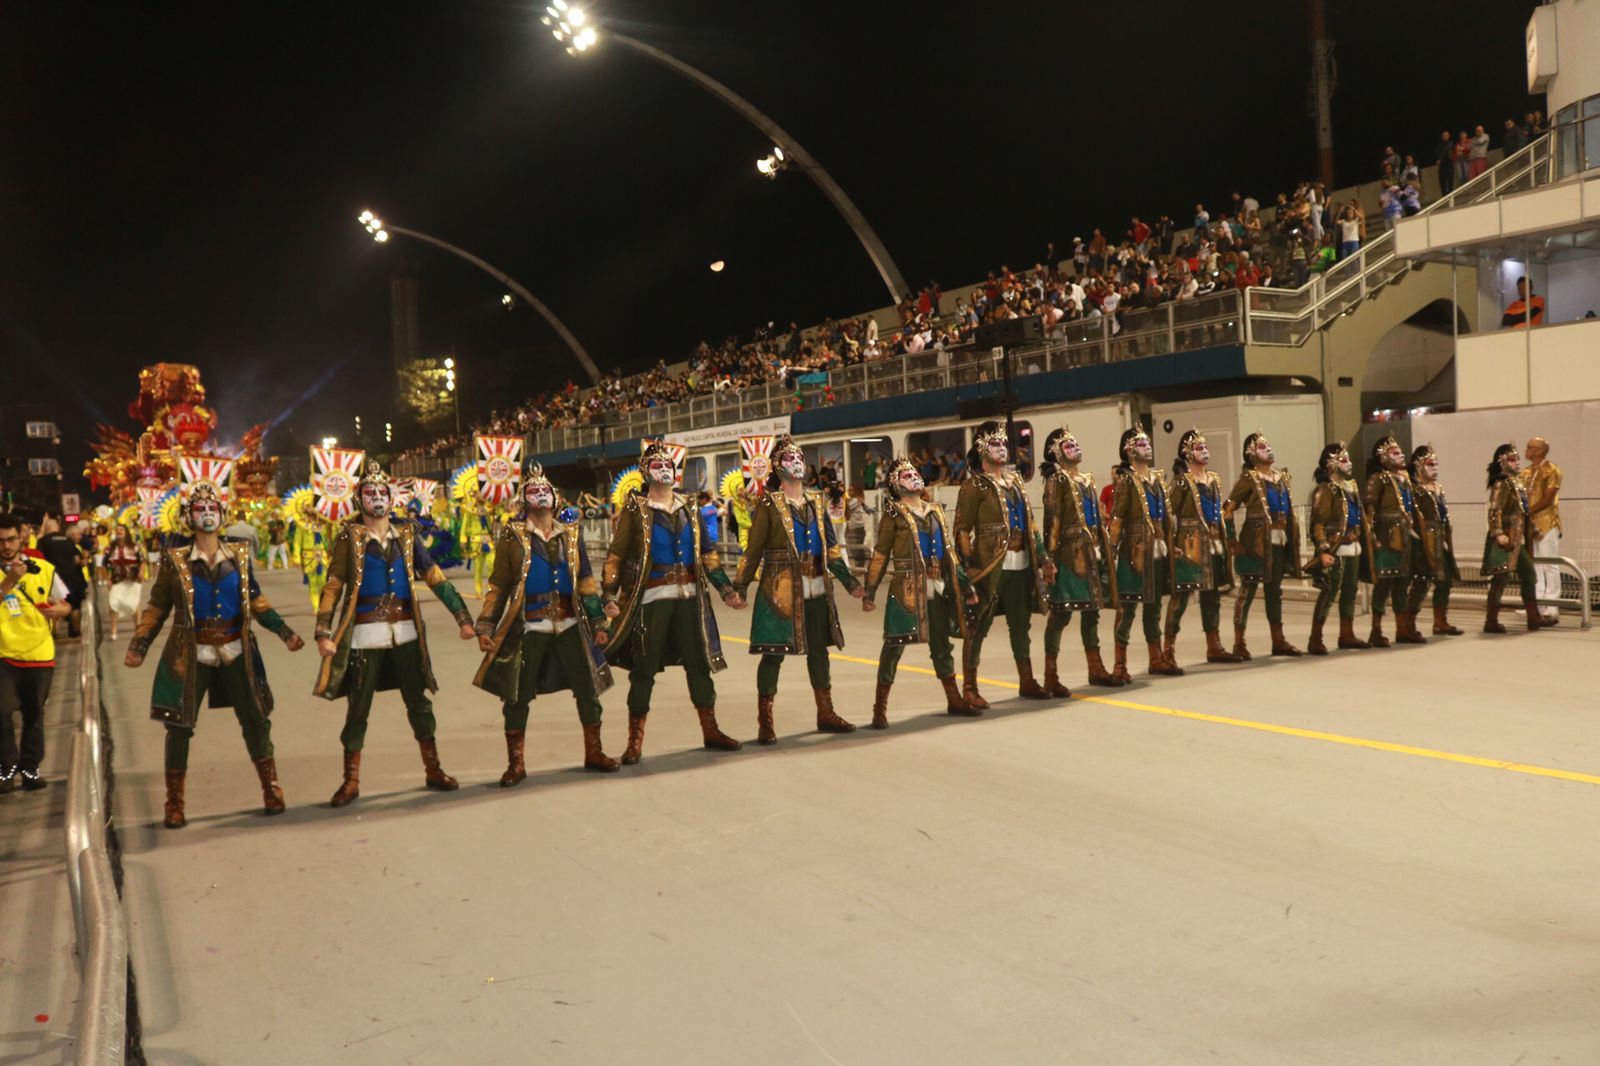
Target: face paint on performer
x: 1199, y: 452
x: 539, y: 495
x: 1071, y: 450
x: 1139, y: 448
x: 1511, y: 462
x: 792, y: 465
x: 1429, y: 467
x: 375, y: 501
x: 205, y: 516
x: 1263, y: 451
x: 1342, y: 463
x: 997, y: 452
x: 662, y: 472
x: 1393, y: 458
x: 910, y: 482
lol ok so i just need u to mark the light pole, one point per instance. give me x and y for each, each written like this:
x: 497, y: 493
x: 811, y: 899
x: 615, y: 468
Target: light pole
x: 380, y: 231
x: 450, y: 386
x: 576, y: 29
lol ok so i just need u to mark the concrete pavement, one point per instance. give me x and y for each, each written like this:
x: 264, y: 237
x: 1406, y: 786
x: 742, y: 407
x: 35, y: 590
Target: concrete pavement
x: 1089, y: 881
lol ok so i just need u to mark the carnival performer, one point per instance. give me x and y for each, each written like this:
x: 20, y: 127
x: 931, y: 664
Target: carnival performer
x: 535, y: 626
x: 1267, y: 548
x: 657, y: 581
x: 1391, y: 533
x: 1338, y: 529
x: 370, y: 632
x: 1505, y: 548
x: 477, y: 537
x: 310, y: 540
x: 277, y: 544
x: 1434, y: 554
x: 211, y: 652
x: 125, y: 569
x: 1140, y: 538
x: 793, y: 544
x: 1201, y: 563
x: 1075, y: 539
x: 927, y: 587
x: 999, y: 547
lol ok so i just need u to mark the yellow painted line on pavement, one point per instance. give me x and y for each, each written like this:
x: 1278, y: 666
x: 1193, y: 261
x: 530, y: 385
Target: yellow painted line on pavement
x: 1281, y: 730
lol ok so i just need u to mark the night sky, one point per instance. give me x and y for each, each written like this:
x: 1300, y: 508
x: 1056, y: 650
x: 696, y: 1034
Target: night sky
x: 181, y: 182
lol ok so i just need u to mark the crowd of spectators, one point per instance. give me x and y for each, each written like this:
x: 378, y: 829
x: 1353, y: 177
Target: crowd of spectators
x: 1152, y: 263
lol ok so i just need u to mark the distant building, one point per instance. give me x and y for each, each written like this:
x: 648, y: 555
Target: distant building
x: 30, y: 463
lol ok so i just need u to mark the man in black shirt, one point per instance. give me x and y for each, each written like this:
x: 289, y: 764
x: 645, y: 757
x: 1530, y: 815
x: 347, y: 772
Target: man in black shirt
x: 64, y: 552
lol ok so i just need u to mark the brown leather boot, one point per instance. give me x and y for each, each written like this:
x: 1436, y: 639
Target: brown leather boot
x: 1406, y: 631
x: 1376, y: 639
x: 1491, y: 618
x: 1028, y: 688
x: 1098, y: 674
x: 174, y: 818
x: 635, y: 748
x: 350, y: 788
x: 1169, y: 649
x: 1215, y: 651
x: 1052, y: 680
x: 1158, y: 662
x: 765, y: 733
x: 434, y: 776
x: 880, y: 702
x: 1441, y: 623
x: 827, y: 720
x: 1280, y: 643
x: 1535, y: 617
x: 955, y: 702
x: 271, y: 794
x: 1347, y: 635
x: 969, y: 691
x: 714, y: 738
x: 1241, y: 652
x: 594, y: 757
x: 1314, y: 646
x: 1120, y: 669
x: 515, y: 770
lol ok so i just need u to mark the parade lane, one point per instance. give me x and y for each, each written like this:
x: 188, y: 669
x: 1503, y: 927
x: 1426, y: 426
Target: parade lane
x: 1057, y: 881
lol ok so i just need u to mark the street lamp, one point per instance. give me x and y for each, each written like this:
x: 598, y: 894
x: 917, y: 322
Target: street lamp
x: 380, y: 230
x: 576, y: 29
x: 450, y: 387
x: 330, y: 443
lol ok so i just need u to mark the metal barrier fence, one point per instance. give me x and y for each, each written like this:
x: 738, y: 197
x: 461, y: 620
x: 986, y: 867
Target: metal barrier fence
x: 102, y: 1012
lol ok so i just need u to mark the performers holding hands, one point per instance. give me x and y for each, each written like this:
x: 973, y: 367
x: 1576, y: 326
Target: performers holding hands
x: 1200, y: 559
x: 1140, y: 536
x: 1268, y: 546
x: 1075, y: 540
x: 1338, y: 529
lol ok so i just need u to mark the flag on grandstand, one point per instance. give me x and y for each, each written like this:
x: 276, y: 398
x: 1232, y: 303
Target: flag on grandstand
x: 499, y: 467
x: 334, y: 473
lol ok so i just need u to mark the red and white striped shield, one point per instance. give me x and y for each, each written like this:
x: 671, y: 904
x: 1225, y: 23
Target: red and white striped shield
x: 401, y: 491
x: 148, y: 495
x: 334, y: 473
x: 756, y: 462
x: 210, y: 469
x: 424, y: 490
x: 499, y: 467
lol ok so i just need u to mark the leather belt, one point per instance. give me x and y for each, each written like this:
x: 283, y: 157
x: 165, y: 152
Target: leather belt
x: 382, y: 609
x: 217, y: 634
x: 985, y: 528
x: 1014, y: 541
x: 810, y: 567
x: 678, y: 574
x: 558, y: 611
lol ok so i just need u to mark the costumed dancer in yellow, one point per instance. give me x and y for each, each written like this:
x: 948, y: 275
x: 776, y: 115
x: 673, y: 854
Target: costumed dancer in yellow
x: 309, y: 541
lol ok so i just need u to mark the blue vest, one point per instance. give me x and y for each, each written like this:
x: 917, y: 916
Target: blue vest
x: 1405, y: 497
x: 807, y: 534
x: 1155, y: 501
x: 1016, y: 512
x: 216, y: 600
x: 932, y: 541
x: 1277, y: 499
x: 1210, y: 507
x: 1444, y: 509
x: 381, y: 578
x: 545, y: 577
x: 1352, y: 511
x: 1091, y: 509
x: 667, y: 550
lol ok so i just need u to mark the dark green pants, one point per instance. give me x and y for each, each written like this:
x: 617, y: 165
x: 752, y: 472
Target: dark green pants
x: 1210, y: 611
x: 365, y: 667
x: 256, y: 727
x: 677, y: 621
x: 1277, y: 567
x: 1150, y: 616
x: 1088, y: 627
x: 1010, y: 598
x: 1526, y: 580
x: 1441, y: 592
x: 1341, y: 582
x: 940, y: 647
x: 568, y: 651
x: 1389, y: 591
x: 818, y: 633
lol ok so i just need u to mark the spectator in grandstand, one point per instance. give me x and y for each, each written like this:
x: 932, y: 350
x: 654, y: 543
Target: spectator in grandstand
x: 1461, y: 152
x: 1411, y: 172
x: 1516, y: 137
x: 1391, y: 161
x: 1446, y: 157
x: 1526, y: 310
x: 1477, y: 153
x: 1352, y: 224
